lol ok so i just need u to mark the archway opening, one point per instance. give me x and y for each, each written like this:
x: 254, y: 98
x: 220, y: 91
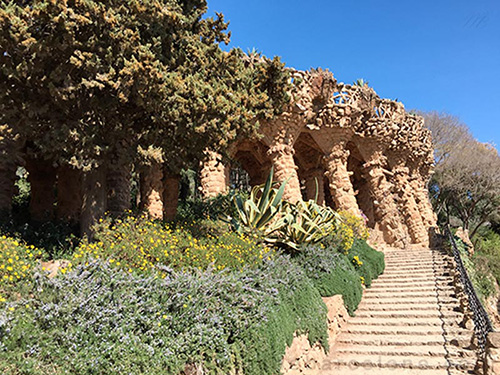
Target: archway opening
x: 364, y: 198
x: 308, y: 158
x: 250, y: 165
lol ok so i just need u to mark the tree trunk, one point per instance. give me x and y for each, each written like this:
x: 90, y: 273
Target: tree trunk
x: 152, y: 191
x: 170, y: 196
x: 94, y: 200
x: 119, y: 187
x: 42, y: 178
x: 69, y: 194
x: 7, y: 189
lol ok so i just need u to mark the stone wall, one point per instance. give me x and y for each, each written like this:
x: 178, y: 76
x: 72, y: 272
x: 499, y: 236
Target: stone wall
x: 375, y: 157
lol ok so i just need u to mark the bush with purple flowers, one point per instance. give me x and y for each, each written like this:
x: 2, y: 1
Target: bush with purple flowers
x: 102, y: 320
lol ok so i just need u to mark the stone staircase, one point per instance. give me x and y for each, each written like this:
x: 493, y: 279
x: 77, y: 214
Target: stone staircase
x: 409, y: 322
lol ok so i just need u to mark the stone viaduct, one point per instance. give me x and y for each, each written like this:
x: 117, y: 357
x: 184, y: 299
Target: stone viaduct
x: 367, y: 155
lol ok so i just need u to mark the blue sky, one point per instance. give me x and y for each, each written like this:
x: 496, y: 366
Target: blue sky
x: 432, y: 55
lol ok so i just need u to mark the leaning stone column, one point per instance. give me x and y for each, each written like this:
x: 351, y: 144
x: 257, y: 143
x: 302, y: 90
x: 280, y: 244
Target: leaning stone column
x: 42, y: 178
x: 421, y: 193
x: 409, y: 208
x: 213, y: 176
x: 492, y: 356
x: 152, y: 191
x: 341, y: 188
x: 69, y: 194
x: 170, y: 196
x: 314, y: 180
x: 94, y: 199
x: 385, y: 208
x: 285, y: 170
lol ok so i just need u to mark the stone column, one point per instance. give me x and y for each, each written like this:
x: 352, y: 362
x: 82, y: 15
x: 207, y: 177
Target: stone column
x: 152, y: 191
x: 170, y: 196
x: 492, y: 357
x: 314, y: 180
x: 94, y: 199
x: 385, y: 209
x: 42, y: 178
x: 421, y: 193
x: 285, y: 170
x: 408, y: 205
x: 214, y: 176
x: 341, y: 188
x: 69, y: 194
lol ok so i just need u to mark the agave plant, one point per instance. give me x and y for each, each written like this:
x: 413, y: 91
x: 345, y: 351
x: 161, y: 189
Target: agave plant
x: 306, y: 222
x: 261, y: 214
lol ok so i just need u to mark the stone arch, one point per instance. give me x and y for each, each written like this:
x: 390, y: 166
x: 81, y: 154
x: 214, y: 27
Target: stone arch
x: 252, y: 157
x: 309, y: 160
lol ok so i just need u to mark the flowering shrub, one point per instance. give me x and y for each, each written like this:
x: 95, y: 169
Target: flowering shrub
x: 141, y: 245
x: 17, y: 261
x: 356, y: 223
x: 98, y: 319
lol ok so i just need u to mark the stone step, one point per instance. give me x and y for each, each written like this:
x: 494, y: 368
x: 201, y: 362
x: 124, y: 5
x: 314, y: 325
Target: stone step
x: 410, y: 271
x: 383, y: 300
x: 386, y: 292
x: 402, y: 330
x: 394, y: 340
x: 407, y: 307
x: 404, y: 322
x: 407, y: 295
x: 381, y: 289
x: 409, y: 362
x: 433, y: 351
x: 331, y: 369
x: 410, y: 314
x: 414, y: 277
x: 399, y: 284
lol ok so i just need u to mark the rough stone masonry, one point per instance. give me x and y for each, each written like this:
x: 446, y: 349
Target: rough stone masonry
x: 369, y: 155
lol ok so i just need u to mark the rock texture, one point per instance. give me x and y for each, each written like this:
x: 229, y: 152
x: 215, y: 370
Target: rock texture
x: 374, y: 156
x: 301, y: 357
x: 152, y: 190
x: 492, y: 361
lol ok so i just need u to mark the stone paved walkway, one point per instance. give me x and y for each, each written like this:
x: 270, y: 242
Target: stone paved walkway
x: 407, y: 323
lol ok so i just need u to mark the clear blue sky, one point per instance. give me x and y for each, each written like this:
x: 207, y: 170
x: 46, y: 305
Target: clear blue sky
x: 439, y: 55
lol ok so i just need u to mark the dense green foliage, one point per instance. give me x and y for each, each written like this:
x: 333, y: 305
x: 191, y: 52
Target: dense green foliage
x: 332, y: 273
x: 89, y: 80
x: 373, y: 262
x: 477, y: 267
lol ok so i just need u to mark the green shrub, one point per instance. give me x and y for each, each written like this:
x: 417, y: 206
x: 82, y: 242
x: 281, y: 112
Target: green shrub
x: 102, y: 320
x: 372, y: 261
x: 195, y: 209
x: 332, y: 273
